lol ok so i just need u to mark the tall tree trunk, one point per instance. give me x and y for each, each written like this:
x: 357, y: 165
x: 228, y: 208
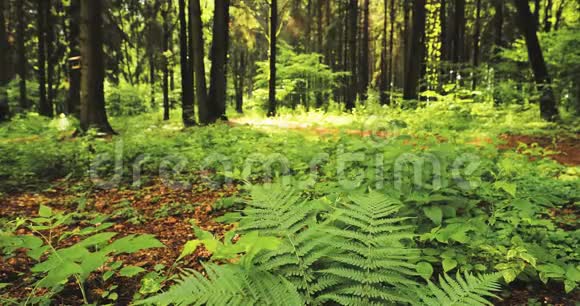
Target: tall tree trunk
x: 559, y: 14
x: 384, y: 67
x: 548, y: 108
x: 218, y: 56
x: 198, y: 63
x: 239, y: 76
x: 476, y: 39
x: 391, y: 62
x: 4, y: 62
x: 21, y: 50
x: 50, y: 58
x: 416, y: 53
x: 93, y: 112
x: 166, y: 38
x: 44, y: 108
x: 74, y: 92
x: 459, y: 32
x: 352, y: 33
x: 537, y: 6
x: 443, y: 22
x: 548, y: 15
x: 364, y: 63
x: 498, y: 22
x: 273, y: 30
x: 188, y: 110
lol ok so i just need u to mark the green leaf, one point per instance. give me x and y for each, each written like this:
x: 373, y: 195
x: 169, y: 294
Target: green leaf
x: 60, y: 274
x: 569, y: 285
x: 573, y: 274
x: 108, y: 275
x: 508, y: 187
x: 509, y: 275
x: 97, y: 239
x: 189, y: 248
x: 425, y: 270
x: 449, y: 264
x: 45, y: 211
x: 130, y: 271
x: 133, y: 243
x: 434, y: 213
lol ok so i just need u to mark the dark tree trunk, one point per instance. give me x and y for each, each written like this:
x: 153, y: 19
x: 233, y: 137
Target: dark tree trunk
x: 273, y: 30
x: 384, y: 69
x: 21, y: 50
x: 548, y: 15
x: 416, y: 52
x: 548, y: 108
x: 537, y: 6
x: 352, y: 33
x: 166, y: 38
x: 74, y: 92
x: 4, y: 62
x: 218, y: 56
x: 364, y: 62
x: 559, y: 14
x: 198, y: 64
x: 443, y: 21
x: 240, y: 64
x: 50, y: 59
x: 188, y: 110
x: 93, y: 112
x: 459, y: 32
x: 476, y: 39
x: 498, y: 22
x: 391, y: 62
x: 44, y: 108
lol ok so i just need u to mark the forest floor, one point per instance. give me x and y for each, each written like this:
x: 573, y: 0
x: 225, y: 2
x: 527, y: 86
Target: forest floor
x: 155, y: 209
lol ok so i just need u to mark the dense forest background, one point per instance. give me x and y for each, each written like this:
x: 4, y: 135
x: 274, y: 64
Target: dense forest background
x: 69, y: 57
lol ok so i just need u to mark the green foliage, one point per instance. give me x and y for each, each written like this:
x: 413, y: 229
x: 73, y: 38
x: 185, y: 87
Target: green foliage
x: 466, y: 290
x: 124, y: 99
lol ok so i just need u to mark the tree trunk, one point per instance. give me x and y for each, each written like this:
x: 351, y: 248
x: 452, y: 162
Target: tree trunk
x: 559, y: 14
x: 273, y: 30
x: 74, y: 92
x: 364, y: 63
x: 21, y: 50
x: 93, y: 112
x: 198, y: 63
x: 352, y: 33
x: 239, y: 63
x: 548, y: 15
x: 43, y: 107
x: 537, y: 5
x: 166, y: 38
x: 218, y: 56
x: 416, y: 52
x: 548, y: 108
x: 443, y: 35
x: 188, y: 110
x: 384, y: 69
x: 391, y: 62
x: 498, y: 21
x: 459, y: 32
x: 476, y: 39
x: 50, y: 60
x: 4, y: 62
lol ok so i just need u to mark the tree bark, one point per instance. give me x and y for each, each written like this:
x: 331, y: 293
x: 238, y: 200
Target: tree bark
x: 384, y: 69
x: 548, y: 15
x: 273, y: 30
x: 166, y: 38
x: 476, y: 40
x: 74, y: 92
x: 44, y: 108
x: 352, y: 33
x: 50, y: 58
x: 188, y: 110
x: 498, y: 22
x: 21, y: 50
x: 364, y: 63
x: 459, y: 32
x: 4, y: 62
x: 416, y: 52
x: 548, y: 108
x: 93, y: 112
x: 198, y: 63
x: 218, y: 56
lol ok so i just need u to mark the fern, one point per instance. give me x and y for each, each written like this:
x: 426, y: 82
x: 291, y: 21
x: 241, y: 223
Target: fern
x: 465, y: 291
x: 373, y: 261
x: 305, y: 245
x: 229, y: 285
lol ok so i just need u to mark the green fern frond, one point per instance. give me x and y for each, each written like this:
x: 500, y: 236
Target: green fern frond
x: 468, y: 290
x: 229, y: 285
x: 374, y: 258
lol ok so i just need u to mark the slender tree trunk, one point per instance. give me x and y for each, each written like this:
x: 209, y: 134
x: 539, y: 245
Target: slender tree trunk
x: 188, y: 110
x: 459, y: 32
x: 364, y: 64
x: 352, y: 29
x: 44, y: 108
x: 548, y: 15
x: 50, y: 60
x: 166, y: 38
x: 93, y: 112
x: 537, y: 6
x: 74, y: 92
x: 384, y: 69
x: 548, y: 108
x: 21, y: 50
x: 198, y: 63
x: 443, y: 21
x: 239, y: 63
x: 273, y: 30
x: 415, y: 60
x: 498, y: 21
x: 4, y: 62
x: 559, y: 14
x: 218, y: 56
x: 476, y: 39
x: 391, y: 61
